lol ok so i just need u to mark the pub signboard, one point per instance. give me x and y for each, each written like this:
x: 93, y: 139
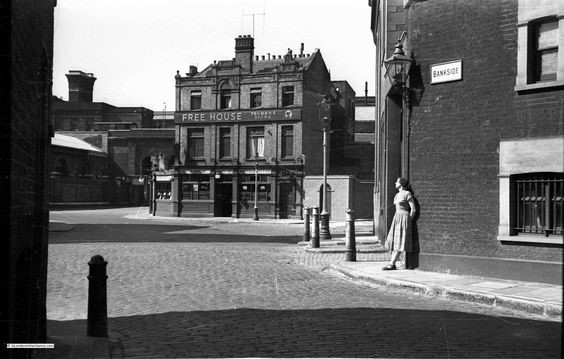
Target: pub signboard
x: 237, y: 116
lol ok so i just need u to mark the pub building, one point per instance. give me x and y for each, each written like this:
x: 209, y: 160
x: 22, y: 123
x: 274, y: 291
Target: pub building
x: 250, y: 124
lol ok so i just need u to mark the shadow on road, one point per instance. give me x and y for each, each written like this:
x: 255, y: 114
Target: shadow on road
x: 137, y: 233
x: 347, y: 332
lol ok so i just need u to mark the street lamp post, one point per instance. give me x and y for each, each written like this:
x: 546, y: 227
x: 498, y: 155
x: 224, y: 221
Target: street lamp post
x: 255, y: 216
x: 324, y: 232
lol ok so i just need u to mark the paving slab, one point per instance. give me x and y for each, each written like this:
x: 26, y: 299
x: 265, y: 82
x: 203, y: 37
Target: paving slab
x: 517, y: 295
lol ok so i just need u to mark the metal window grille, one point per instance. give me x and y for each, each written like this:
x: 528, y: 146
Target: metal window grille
x: 540, y: 202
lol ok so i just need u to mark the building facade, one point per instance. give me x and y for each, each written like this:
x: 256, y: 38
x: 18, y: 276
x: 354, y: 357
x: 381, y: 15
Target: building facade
x: 81, y: 113
x: 478, y: 129
x: 132, y: 140
x: 27, y: 58
x: 250, y: 131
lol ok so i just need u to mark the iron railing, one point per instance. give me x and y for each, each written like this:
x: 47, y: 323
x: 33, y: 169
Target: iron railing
x: 539, y: 207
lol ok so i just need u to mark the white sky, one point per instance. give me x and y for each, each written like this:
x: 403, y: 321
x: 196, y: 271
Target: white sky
x: 134, y: 47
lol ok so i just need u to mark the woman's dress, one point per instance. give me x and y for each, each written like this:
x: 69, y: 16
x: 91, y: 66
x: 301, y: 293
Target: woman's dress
x: 399, y: 236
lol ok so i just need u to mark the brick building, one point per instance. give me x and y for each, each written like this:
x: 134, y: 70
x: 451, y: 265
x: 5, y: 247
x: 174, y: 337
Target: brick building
x: 255, y: 115
x: 80, y: 113
x: 27, y: 54
x: 478, y: 129
x: 133, y: 141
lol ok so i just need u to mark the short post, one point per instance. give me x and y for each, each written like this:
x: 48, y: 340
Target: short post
x: 306, y: 225
x: 97, y: 322
x: 315, y: 232
x: 350, y: 239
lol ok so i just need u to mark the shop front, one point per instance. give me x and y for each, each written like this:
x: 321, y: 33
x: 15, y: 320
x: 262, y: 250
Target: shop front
x: 230, y: 192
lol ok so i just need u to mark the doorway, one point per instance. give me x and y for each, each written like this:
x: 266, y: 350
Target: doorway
x: 286, y: 203
x: 223, y: 197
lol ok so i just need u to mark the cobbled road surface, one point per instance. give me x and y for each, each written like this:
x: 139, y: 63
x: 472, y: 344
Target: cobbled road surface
x: 201, y: 288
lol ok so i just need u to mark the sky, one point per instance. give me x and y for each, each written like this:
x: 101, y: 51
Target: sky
x: 135, y: 47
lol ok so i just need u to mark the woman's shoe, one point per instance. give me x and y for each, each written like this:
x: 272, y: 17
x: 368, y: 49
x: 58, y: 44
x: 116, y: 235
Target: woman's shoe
x: 389, y: 267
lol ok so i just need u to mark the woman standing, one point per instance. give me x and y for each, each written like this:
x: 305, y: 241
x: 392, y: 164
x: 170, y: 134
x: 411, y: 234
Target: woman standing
x: 399, y: 237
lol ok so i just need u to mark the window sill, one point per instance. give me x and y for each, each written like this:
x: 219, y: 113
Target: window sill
x: 287, y: 159
x: 529, y: 238
x: 539, y: 85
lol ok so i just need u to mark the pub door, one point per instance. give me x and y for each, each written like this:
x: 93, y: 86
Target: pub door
x: 223, y: 197
x: 286, y: 200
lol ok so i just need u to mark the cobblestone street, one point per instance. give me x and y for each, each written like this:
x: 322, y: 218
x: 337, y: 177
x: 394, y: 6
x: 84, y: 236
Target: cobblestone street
x: 214, y: 297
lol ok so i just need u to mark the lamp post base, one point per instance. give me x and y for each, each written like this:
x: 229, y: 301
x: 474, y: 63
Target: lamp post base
x: 324, y: 233
x: 255, y: 216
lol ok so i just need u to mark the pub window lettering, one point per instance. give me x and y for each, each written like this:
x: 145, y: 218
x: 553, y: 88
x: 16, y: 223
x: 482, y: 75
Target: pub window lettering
x: 195, y: 100
x: 538, y: 202
x: 287, y: 96
x: 543, y: 50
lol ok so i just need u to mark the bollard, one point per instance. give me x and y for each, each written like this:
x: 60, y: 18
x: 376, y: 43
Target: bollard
x: 97, y: 323
x: 315, y: 232
x: 306, y: 224
x: 350, y: 239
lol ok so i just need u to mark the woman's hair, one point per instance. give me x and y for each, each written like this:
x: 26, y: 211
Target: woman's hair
x: 405, y: 184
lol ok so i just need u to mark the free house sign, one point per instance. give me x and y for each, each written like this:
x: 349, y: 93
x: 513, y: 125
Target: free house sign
x: 446, y: 72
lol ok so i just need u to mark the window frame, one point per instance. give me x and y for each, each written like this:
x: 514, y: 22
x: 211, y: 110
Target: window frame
x: 189, y: 138
x: 250, y: 136
x: 224, y: 147
x: 528, y: 17
x: 537, y: 195
x: 286, y: 93
x: 224, y: 99
x: 195, y: 100
x: 202, y: 183
x: 286, y: 149
x: 264, y: 189
x: 255, y: 95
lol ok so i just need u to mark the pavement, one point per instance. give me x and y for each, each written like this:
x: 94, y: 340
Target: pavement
x: 528, y: 297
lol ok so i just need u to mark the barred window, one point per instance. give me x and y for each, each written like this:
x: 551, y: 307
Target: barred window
x: 538, y: 203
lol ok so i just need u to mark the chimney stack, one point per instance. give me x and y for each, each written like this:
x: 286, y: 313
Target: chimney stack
x: 81, y: 86
x: 244, y: 51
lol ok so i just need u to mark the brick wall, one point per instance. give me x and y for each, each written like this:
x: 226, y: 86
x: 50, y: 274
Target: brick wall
x: 27, y: 26
x: 457, y: 127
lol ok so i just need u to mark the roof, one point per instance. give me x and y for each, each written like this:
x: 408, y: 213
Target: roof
x: 73, y: 142
x: 263, y: 65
